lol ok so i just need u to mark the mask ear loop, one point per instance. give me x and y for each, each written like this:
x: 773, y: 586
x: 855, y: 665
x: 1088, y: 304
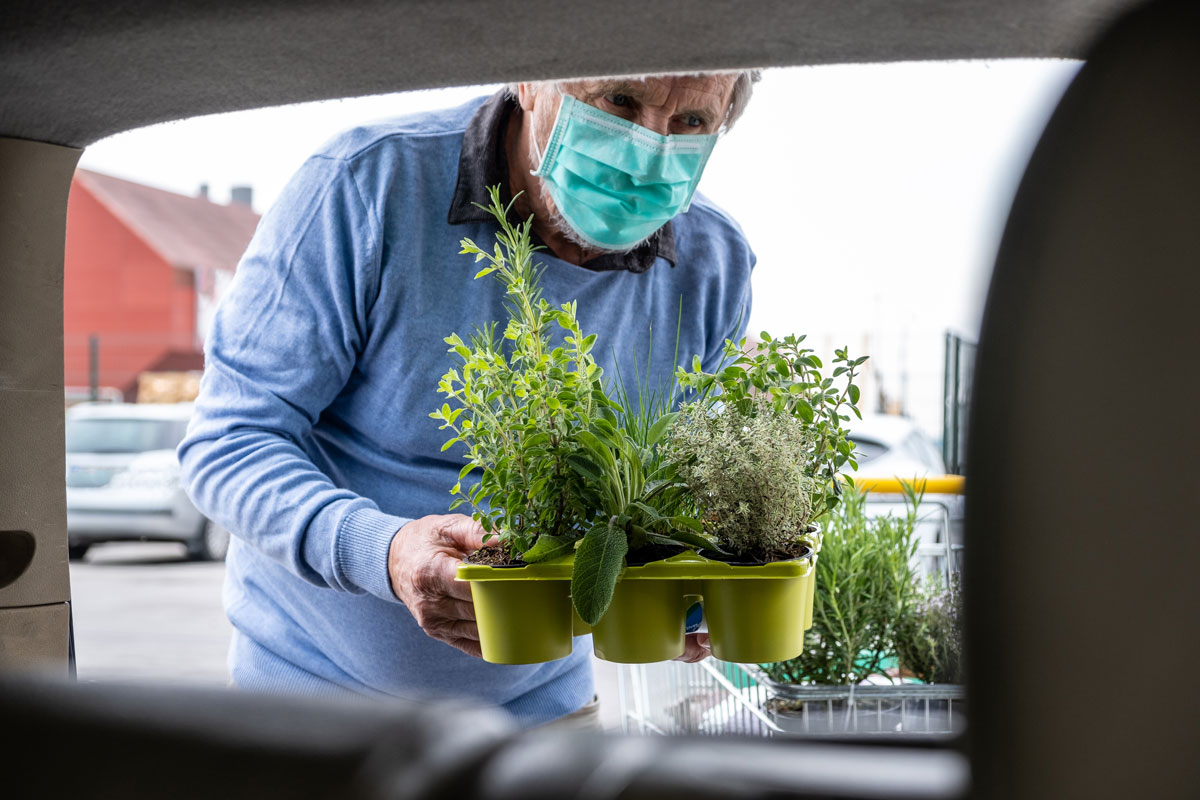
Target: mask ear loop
x: 537, y: 151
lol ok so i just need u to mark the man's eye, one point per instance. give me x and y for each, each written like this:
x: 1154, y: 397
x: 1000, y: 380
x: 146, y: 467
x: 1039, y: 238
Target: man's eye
x: 694, y: 122
x: 620, y: 100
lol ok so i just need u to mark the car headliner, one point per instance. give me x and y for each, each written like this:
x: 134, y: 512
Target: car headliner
x: 74, y: 73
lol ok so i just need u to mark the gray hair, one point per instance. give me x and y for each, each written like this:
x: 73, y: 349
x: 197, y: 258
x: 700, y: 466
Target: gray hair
x: 743, y: 87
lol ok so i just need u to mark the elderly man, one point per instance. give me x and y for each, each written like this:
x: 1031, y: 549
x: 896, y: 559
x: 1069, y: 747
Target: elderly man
x: 311, y: 439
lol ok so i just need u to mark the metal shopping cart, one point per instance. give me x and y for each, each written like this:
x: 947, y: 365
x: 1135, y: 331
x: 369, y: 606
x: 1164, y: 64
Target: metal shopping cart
x: 717, y: 697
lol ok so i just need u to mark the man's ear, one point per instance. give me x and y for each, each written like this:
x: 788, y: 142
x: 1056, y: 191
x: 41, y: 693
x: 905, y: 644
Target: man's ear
x: 526, y: 95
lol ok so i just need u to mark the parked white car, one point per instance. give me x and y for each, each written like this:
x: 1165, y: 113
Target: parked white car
x: 893, y: 447
x: 123, y: 479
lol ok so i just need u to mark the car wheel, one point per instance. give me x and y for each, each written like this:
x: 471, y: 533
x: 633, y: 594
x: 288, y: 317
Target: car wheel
x: 212, y: 544
x: 76, y: 552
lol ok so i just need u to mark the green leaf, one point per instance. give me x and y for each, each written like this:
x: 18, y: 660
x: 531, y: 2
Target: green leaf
x: 694, y: 540
x: 598, y: 563
x: 650, y: 512
x: 660, y: 427
x: 548, y: 546
x: 853, y: 394
x: 688, y: 522
x: 585, y: 466
x: 804, y: 410
x: 449, y: 444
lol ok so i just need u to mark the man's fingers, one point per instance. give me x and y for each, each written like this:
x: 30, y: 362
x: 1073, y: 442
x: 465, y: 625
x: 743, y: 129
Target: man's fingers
x: 696, y: 649
x: 457, y: 590
x: 462, y: 629
x: 462, y: 609
x: 468, y: 646
x: 462, y: 533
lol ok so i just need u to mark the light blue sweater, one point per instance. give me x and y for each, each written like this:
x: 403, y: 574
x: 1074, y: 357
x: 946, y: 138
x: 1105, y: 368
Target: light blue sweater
x: 311, y: 439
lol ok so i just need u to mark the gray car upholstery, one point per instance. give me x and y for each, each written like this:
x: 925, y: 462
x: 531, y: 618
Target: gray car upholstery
x: 76, y: 72
x: 1081, y: 513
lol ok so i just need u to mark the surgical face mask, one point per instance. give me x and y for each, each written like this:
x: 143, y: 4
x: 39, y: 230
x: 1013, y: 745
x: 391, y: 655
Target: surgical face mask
x: 614, y: 182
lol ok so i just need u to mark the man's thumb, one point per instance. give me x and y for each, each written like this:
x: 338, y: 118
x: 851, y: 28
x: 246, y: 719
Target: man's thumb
x: 464, y: 533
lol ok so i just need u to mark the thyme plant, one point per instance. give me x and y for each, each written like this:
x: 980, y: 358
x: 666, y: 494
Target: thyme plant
x: 750, y: 476
x: 762, y: 444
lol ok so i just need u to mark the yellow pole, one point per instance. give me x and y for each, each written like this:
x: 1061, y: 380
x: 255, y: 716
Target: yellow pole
x: 933, y: 484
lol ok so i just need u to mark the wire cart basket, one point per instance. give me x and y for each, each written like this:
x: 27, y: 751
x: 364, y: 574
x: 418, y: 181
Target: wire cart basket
x: 718, y: 698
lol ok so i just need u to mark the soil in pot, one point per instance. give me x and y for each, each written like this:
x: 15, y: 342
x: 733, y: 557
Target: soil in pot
x: 654, y: 552
x: 761, y: 556
x: 494, y: 557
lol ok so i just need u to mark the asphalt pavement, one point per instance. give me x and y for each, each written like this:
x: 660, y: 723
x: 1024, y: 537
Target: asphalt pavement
x: 144, y: 613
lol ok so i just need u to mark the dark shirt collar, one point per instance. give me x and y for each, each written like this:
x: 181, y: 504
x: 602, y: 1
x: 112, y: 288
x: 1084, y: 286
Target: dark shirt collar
x: 483, y: 162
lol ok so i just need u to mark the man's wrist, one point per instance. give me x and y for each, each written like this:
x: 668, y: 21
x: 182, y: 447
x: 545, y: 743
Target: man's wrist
x: 363, y: 549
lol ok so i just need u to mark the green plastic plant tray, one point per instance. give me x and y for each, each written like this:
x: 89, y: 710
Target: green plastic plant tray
x: 524, y: 613
x: 755, y: 613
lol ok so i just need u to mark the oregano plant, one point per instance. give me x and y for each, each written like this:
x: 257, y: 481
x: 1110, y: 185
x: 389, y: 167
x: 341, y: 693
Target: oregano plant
x: 519, y: 401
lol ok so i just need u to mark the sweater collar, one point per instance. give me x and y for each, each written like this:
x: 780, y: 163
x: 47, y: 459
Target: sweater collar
x: 483, y: 163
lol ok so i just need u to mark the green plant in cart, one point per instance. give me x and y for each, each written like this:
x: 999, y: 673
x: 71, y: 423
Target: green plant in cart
x: 929, y: 643
x: 865, y: 591
x: 519, y: 402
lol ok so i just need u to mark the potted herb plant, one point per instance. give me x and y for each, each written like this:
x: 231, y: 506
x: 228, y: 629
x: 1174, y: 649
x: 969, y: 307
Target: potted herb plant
x: 929, y: 640
x: 761, y: 449
x: 519, y: 401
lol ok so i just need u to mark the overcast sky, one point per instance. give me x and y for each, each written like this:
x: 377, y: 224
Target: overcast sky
x: 874, y: 195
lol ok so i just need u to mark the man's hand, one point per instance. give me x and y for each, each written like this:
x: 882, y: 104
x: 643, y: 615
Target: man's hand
x: 421, y: 566
x: 697, y: 648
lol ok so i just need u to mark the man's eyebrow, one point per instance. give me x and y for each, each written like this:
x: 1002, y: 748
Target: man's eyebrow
x: 619, y: 87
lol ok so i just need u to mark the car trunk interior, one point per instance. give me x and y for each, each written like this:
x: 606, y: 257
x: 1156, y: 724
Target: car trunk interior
x: 1080, y: 512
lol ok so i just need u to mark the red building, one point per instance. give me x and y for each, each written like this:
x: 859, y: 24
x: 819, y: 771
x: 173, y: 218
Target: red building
x: 143, y: 271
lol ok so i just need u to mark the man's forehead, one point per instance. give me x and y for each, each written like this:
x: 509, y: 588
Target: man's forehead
x: 693, y: 91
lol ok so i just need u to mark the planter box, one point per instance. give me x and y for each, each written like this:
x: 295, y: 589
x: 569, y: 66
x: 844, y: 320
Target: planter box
x: 754, y: 613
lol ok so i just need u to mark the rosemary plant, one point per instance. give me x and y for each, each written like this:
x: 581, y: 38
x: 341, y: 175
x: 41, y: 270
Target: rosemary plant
x: 865, y: 591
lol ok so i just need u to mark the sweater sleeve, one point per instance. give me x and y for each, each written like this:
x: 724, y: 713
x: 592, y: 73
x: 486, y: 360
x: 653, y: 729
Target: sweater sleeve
x: 284, y: 342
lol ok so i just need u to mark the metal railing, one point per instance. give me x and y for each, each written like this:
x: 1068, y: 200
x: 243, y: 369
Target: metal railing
x: 939, y: 521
